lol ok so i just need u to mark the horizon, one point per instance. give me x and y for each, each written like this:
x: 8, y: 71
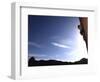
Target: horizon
x: 54, y: 59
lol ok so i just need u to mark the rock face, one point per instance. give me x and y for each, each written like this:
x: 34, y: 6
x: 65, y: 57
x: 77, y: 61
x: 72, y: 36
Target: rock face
x: 33, y: 62
x: 84, y: 29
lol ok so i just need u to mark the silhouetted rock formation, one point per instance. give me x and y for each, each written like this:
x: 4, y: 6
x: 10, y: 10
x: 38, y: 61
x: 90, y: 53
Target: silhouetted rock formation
x: 84, y: 29
x: 33, y: 62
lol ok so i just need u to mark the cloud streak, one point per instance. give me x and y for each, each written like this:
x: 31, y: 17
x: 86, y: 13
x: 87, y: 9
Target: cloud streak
x: 34, y: 44
x: 59, y: 45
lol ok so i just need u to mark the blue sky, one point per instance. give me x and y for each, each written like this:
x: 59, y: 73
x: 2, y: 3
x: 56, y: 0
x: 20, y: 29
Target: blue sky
x: 55, y: 37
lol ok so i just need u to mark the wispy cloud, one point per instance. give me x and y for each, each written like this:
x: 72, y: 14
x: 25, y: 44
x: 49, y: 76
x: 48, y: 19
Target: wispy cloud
x: 34, y: 44
x: 62, y: 40
x: 59, y: 45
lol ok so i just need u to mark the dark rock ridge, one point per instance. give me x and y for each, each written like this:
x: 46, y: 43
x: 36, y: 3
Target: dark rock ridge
x: 33, y: 62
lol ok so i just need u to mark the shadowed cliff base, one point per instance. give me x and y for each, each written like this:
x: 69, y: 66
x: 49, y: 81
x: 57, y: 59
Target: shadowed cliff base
x: 33, y: 62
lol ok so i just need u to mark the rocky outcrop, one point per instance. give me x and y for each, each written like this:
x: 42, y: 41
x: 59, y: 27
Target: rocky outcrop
x: 33, y: 62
